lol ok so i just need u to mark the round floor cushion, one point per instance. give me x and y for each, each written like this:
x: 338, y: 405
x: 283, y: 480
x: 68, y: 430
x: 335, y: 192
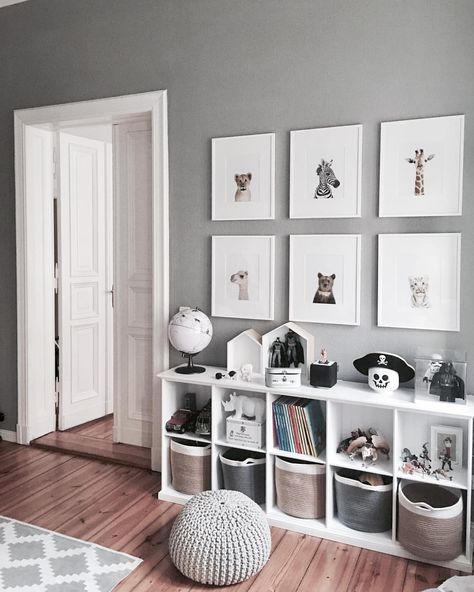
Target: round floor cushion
x: 220, y: 537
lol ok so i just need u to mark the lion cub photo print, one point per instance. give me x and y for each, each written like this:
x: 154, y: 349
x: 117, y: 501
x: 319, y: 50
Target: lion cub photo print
x: 419, y: 287
x: 243, y: 191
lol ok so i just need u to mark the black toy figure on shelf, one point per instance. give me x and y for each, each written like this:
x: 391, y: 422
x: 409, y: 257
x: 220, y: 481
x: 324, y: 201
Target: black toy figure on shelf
x: 294, y: 349
x: 447, y: 384
x: 278, y: 356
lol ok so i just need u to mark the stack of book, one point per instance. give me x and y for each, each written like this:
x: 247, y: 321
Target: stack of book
x: 299, y: 425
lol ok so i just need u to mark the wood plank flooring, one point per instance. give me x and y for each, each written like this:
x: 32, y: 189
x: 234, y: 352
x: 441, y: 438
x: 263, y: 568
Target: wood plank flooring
x: 94, y: 440
x: 113, y: 505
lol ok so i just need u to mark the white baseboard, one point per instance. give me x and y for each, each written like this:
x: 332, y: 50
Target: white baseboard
x: 8, y: 435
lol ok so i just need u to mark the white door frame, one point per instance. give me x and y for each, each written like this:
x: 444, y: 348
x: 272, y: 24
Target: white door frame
x: 35, y: 276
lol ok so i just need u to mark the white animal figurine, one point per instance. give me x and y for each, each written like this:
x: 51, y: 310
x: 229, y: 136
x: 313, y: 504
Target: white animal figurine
x: 245, y: 372
x: 243, y: 405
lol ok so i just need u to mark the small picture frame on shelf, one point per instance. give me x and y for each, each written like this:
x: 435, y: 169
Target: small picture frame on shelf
x: 421, y: 165
x: 441, y: 376
x: 325, y: 172
x: 243, y: 276
x: 243, y: 177
x: 325, y: 278
x: 419, y: 281
x: 446, y: 447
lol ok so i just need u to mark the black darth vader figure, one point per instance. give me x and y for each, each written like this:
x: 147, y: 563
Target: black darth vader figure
x: 447, y: 384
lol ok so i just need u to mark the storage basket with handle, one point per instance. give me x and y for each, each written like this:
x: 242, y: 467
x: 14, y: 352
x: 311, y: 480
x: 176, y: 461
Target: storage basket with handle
x: 300, y: 488
x: 367, y: 508
x: 190, y: 466
x: 244, y: 471
x: 430, y: 520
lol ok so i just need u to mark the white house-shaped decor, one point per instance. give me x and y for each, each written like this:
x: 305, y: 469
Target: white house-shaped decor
x: 306, y: 338
x: 245, y: 348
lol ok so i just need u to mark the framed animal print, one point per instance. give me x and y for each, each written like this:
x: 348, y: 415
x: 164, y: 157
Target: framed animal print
x: 421, y: 165
x: 243, y: 272
x: 325, y: 172
x: 419, y: 281
x: 243, y: 177
x: 325, y: 278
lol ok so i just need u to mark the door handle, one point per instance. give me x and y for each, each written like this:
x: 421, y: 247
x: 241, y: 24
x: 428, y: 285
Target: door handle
x: 112, y: 293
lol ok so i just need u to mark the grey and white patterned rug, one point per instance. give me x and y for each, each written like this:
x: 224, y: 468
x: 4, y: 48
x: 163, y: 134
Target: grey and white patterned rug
x: 33, y: 559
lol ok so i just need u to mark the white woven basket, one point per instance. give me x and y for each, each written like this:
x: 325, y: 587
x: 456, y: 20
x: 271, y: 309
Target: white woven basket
x: 300, y: 488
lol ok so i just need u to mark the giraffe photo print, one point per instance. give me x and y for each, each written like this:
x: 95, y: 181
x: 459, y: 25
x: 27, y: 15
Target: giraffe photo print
x: 325, y: 172
x: 243, y: 276
x: 421, y: 164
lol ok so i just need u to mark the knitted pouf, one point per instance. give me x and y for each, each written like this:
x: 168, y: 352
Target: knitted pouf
x: 220, y: 538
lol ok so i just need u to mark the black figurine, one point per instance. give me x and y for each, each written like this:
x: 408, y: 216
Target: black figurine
x: 294, y: 349
x: 278, y: 357
x: 447, y: 384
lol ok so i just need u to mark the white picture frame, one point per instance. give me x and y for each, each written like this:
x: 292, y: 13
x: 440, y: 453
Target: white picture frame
x: 243, y: 277
x: 337, y: 255
x: 243, y: 177
x: 439, y: 434
x: 419, y: 281
x: 312, y: 194
x: 421, y: 167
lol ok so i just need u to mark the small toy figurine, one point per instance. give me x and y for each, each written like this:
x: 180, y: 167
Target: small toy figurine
x: 447, y: 384
x: 294, y: 349
x: 278, y: 357
x: 433, y: 368
x: 323, y: 358
x: 384, y: 371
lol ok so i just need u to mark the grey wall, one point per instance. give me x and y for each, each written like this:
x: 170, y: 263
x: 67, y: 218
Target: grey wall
x: 247, y: 66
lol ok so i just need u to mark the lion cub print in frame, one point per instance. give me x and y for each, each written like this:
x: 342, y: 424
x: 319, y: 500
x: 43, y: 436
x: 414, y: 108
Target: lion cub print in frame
x: 419, y: 281
x: 243, y: 177
x: 325, y: 278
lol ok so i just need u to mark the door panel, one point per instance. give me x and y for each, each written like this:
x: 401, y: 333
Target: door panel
x: 133, y: 377
x: 83, y: 298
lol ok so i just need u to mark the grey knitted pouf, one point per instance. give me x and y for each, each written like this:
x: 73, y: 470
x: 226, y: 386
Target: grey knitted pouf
x: 220, y: 537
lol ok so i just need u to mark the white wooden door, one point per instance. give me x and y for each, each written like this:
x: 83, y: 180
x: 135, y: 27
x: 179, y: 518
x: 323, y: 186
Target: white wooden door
x: 133, y: 275
x: 83, y: 292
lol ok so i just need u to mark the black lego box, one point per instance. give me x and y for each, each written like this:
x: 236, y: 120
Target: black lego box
x: 322, y: 374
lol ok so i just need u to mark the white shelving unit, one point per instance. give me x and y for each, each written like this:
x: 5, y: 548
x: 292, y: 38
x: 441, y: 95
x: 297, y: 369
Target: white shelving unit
x: 347, y: 405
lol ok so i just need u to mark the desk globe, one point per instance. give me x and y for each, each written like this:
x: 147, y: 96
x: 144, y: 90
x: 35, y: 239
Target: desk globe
x: 190, y: 331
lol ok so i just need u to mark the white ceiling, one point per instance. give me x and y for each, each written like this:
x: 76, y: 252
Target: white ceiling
x: 4, y: 3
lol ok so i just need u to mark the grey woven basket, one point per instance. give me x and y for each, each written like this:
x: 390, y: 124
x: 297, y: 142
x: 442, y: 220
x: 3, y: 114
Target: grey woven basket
x: 190, y: 466
x: 244, y: 471
x: 366, y: 508
x: 300, y: 488
x: 430, y: 520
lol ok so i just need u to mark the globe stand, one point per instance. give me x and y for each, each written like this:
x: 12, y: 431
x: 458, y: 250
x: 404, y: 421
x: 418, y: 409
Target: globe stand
x: 190, y: 368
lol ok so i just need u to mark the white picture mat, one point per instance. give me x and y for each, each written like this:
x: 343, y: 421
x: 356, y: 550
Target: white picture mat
x: 441, y: 136
x: 254, y: 254
x: 307, y: 147
x: 327, y: 254
x: 241, y: 155
x: 435, y: 255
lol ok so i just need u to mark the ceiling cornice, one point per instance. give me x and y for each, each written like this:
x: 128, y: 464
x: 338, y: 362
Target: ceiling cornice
x: 4, y: 3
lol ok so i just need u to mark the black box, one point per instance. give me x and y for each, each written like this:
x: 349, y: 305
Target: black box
x: 323, y: 374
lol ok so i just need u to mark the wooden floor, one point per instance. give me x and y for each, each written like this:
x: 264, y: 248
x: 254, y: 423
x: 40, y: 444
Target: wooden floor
x: 114, y: 505
x: 94, y: 440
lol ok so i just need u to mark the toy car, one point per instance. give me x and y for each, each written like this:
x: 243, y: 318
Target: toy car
x: 182, y: 420
x: 203, y: 421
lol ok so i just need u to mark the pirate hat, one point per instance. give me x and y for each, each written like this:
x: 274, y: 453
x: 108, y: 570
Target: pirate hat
x: 385, y: 360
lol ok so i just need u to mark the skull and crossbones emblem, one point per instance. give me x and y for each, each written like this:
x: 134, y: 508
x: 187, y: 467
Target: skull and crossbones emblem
x: 382, y: 361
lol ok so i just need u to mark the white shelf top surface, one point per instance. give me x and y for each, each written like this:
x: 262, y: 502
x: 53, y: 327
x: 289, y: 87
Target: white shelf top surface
x: 343, y: 392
